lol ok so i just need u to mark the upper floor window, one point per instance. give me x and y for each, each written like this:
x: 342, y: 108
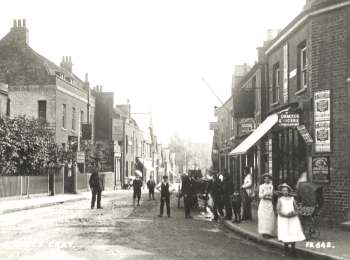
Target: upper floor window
x: 126, y: 144
x: 82, y: 119
x: 73, y: 118
x: 64, y: 116
x: 276, y: 83
x: 302, y: 66
x: 42, y: 110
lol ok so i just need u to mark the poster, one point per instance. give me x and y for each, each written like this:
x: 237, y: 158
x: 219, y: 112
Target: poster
x: 270, y: 155
x: 285, y: 74
x: 320, y: 169
x: 322, y: 137
x: 287, y: 119
x: 305, y: 134
x: 322, y: 106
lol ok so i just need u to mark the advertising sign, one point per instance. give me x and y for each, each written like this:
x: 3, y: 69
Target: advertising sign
x: 322, y: 137
x: 285, y: 73
x: 246, y: 125
x: 305, y: 134
x: 80, y: 157
x: 322, y: 106
x: 320, y: 169
x: 287, y: 119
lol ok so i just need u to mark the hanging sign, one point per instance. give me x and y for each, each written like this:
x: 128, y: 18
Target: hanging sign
x: 80, y: 157
x: 322, y: 107
x: 320, y: 169
x: 305, y: 134
x: 322, y: 137
x: 246, y: 125
x: 287, y: 119
x: 285, y: 73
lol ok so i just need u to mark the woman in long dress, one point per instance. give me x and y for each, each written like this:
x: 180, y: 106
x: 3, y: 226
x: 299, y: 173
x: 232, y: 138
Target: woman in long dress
x: 288, y: 223
x: 266, y: 215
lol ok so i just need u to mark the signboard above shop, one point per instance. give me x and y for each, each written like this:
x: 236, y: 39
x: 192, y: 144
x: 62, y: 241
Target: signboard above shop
x: 305, y: 134
x: 288, y: 119
x: 246, y: 125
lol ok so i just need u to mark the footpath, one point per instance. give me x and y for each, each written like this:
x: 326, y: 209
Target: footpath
x: 333, y: 242
x: 8, y: 205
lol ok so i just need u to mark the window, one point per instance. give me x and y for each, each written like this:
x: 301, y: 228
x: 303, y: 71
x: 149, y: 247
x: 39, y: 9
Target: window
x: 73, y: 119
x: 64, y: 116
x: 257, y: 91
x: 82, y: 119
x: 276, y: 82
x: 42, y: 110
x: 126, y: 168
x: 302, y: 66
x: 126, y: 144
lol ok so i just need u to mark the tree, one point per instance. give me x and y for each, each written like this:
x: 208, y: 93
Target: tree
x: 27, y: 146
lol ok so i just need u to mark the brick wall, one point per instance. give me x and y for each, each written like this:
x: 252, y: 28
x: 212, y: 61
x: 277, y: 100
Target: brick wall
x: 330, y: 60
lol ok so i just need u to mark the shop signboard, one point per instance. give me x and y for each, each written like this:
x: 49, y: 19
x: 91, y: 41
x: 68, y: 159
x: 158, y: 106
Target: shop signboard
x: 322, y: 137
x: 285, y: 73
x: 246, y: 125
x: 80, y: 157
x: 322, y: 106
x: 288, y: 119
x: 305, y: 134
x: 320, y: 169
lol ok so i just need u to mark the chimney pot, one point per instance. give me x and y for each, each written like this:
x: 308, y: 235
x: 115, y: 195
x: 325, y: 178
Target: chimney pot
x: 86, y: 77
x: 19, y: 23
x: 24, y: 23
x: 14, y: 23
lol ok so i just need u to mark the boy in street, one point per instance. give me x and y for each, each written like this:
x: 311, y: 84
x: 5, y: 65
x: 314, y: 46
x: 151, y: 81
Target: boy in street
x: 137, y: 185
x: 165, y: 192
x: 151, y: 185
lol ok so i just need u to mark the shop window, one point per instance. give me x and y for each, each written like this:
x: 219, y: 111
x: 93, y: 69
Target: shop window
x: 302, y: 66
x: 276, y: 82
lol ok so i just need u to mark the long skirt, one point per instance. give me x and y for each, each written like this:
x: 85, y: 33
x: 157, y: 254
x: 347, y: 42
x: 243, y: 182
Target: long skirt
x: 266, y: 218
x: 247, y: 208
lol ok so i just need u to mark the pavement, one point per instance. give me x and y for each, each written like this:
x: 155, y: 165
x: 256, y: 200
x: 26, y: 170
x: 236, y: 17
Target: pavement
x: 333, y: 242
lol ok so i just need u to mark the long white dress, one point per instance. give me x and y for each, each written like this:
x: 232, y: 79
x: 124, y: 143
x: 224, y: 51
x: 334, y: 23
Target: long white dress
x: 266, y: 215
x: 289, y: 229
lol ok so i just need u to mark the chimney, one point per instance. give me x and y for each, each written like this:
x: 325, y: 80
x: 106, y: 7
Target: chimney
x: 313, y: 3
x: 19, y: 32
x: 67, y: 63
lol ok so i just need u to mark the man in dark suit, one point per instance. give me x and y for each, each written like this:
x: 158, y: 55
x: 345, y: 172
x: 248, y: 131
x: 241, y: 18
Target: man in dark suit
x: 215, y: 191
x: 137, y: 186
x: 227, y: 194
x: 188, y: 193
x: 96, y: 186
x: 165, y: 192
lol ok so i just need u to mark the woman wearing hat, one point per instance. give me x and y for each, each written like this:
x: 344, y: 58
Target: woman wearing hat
x: 288, y: 223
x: 266, y: 215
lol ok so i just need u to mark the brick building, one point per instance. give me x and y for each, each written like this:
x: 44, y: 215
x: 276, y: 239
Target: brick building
x: 4, y: 101
x: 39, y: 88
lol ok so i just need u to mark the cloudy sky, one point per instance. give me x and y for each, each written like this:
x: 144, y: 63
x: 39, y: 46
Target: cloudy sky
x: 154, y: 52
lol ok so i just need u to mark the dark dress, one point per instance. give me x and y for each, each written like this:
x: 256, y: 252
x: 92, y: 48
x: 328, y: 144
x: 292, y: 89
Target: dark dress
x: 187, y: 190
x: 215, y: 190
x: 164, y: 198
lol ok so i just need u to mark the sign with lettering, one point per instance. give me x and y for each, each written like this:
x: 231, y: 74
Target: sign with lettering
x: 287, y: 119
x: 270, y: 155
x: 305, y: 134
x: 320, y: 169
x: 246, y: 125
x: 322, y: 106
x: 80, y: 157
x: 285, y: 73
x: 322, y: 137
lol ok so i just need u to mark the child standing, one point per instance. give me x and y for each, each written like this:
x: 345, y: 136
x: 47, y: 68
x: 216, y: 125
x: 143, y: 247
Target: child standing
x: 288, y: 223
x: 236, y: 205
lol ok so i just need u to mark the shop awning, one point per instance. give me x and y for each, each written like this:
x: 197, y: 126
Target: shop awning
x: 254, y: 137
x: 146, y: 163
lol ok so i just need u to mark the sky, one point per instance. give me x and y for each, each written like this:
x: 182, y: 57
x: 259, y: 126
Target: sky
x: 155, y: 52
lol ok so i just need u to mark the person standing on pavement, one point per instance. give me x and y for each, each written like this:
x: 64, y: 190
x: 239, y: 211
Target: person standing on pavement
x: 188, y: 193
x: 289, y: 228
x: 247, y: 194
x: 137, y: 186
x: 165, y: 192
x: 151, y: 184
x: 227, y: 194
x: 215, y: 191
x: 96, y: 186
x: 266, y: 214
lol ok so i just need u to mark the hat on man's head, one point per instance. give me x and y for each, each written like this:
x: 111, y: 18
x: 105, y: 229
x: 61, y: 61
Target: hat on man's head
x: 165, y: 177
x: 267, y: 175
x: 284, y: 185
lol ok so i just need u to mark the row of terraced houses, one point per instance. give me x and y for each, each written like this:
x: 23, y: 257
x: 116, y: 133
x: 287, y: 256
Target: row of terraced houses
x: 289, y: 113
x: 32, y: 85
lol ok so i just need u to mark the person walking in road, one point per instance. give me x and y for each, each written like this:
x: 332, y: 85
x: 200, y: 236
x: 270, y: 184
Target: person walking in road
x: 151, y: 184
x: 227, y: 194
x: 188, y: 193
x: 96, y: 186
x: 266, y: 214
x: 247, y: 193
x: 165, y: 192
x: 289, y: 228
x: 137, y: 186
x: 215, y: 191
